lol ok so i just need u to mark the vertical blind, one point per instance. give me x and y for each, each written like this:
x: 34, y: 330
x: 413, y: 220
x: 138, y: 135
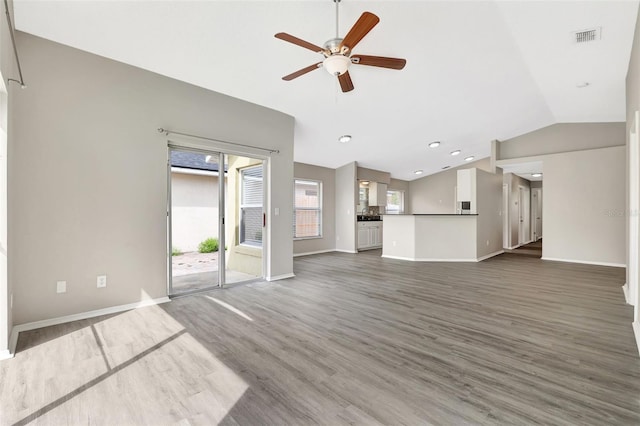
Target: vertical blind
x: 251, y: 206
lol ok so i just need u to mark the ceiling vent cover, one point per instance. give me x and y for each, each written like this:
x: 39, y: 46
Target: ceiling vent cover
x: 585, y: 36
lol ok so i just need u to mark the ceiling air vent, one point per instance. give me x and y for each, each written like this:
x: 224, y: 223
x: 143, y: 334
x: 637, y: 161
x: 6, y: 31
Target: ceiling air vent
x: 586, y: 36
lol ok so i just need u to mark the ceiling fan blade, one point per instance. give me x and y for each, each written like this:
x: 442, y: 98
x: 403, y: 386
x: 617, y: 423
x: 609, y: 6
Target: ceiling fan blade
x: 345, y: 82
x: 299, y: 42
x: 379, y: 61
x: 302, y: 72
x: 360, y: 29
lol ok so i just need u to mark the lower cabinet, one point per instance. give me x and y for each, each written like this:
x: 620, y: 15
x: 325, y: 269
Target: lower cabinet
x: 369, y: 235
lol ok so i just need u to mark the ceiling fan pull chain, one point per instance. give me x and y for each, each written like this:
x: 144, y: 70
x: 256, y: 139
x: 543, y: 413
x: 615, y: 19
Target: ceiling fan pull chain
x: 337, y: 22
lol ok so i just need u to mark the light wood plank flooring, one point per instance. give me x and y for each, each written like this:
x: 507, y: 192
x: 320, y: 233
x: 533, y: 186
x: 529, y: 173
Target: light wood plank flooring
x: 353, y: 339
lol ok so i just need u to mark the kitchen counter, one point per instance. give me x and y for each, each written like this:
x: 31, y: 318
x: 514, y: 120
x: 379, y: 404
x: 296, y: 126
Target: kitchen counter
x: 434, y: 237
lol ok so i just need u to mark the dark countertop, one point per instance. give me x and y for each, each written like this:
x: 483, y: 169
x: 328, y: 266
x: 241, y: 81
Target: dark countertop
x: 367, y: 218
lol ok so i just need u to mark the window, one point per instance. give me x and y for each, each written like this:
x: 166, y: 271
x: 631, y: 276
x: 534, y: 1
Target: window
x: 307, y: 209
x: 251, y: 206
x: 395, y: 201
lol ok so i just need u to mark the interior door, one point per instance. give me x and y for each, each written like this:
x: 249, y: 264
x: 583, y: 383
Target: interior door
x: 506, y: 235
x: 521, y: 227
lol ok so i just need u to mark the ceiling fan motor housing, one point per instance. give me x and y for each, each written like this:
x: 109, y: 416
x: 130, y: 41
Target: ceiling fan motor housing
x: 336, y: 64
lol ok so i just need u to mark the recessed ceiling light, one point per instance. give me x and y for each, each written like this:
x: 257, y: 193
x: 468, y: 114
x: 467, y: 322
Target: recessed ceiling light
x: 536, y: 174
x: 445, y: 167
x: 583, y: 84
x: 344, y: 138
x: 418, y: 172
x: 471, y: 157
x: 434, y: 144
x: 456, y: 152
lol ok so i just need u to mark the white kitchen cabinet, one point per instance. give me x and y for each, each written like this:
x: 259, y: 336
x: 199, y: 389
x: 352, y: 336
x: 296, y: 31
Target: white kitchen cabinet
x: 369, y: 235
x: 377, y: 194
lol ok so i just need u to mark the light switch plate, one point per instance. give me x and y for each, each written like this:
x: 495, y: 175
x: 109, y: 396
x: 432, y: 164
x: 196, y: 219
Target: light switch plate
x: 61, y: 287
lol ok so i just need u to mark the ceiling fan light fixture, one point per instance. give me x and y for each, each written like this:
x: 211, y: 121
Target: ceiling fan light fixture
x: 344, y: 138
x: 336, y: 64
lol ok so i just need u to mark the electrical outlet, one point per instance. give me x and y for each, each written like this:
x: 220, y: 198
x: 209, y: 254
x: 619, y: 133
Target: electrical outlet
x: 61, y: 287
x: 102, y: 281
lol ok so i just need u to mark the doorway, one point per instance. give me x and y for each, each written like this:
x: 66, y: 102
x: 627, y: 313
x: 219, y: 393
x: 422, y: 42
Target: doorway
x: 215, y: 219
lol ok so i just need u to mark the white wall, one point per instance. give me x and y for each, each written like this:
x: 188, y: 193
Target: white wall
x: 346, y: 201
x: 328, y: 178
x: 584, y: 206
x: 7, y: 70
x: 436, y: 193
x: 633, y: 105
x: 194, y: 209
x: 88, y: 177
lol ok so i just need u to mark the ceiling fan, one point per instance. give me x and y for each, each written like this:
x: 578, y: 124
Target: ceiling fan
x: 338, y: 53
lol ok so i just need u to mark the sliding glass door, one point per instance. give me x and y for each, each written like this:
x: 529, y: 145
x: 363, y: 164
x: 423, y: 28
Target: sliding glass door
x: 215, y: 219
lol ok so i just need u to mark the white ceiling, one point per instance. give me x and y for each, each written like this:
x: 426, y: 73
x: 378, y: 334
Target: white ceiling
x: 476, y: 70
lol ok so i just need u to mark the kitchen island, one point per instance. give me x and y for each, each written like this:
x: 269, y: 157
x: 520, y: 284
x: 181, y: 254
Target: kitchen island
x: 436, y: 238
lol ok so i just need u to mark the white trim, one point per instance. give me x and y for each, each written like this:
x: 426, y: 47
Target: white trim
x: 75, y: 317
x: 281, y: 277
x: 313, y: 252
x: 636, y: 332
x: 5, y: 354
x: 495, y: 253
x: 625, y: 290
x: 346, y: 251
x: 586, y: 262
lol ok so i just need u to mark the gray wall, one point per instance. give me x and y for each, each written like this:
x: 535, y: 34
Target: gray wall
x: 328, y: 178
x: 436, y: 193
x: 584, y: 206
x: 88, y: 183
x: 346, y: 201
x: 562, y: 137
x: 489, y: 204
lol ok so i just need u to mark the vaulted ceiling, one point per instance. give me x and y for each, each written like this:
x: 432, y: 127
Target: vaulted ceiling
x: 476, y: 70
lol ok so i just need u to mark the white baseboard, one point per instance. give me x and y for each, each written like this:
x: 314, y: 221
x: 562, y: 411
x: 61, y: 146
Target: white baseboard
x: 280, y: 277
x: 585, y: 262
x: 13, y: 340
x: 625, y: 290
x: 5, y: 354
x: 636, y: 332
x: 419, y: 259
x: 495, y: 253
x: 347, y: 251
x: 313, y: 252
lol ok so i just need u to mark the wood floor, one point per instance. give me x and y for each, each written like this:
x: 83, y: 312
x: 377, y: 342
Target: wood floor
x: 353, y: 339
